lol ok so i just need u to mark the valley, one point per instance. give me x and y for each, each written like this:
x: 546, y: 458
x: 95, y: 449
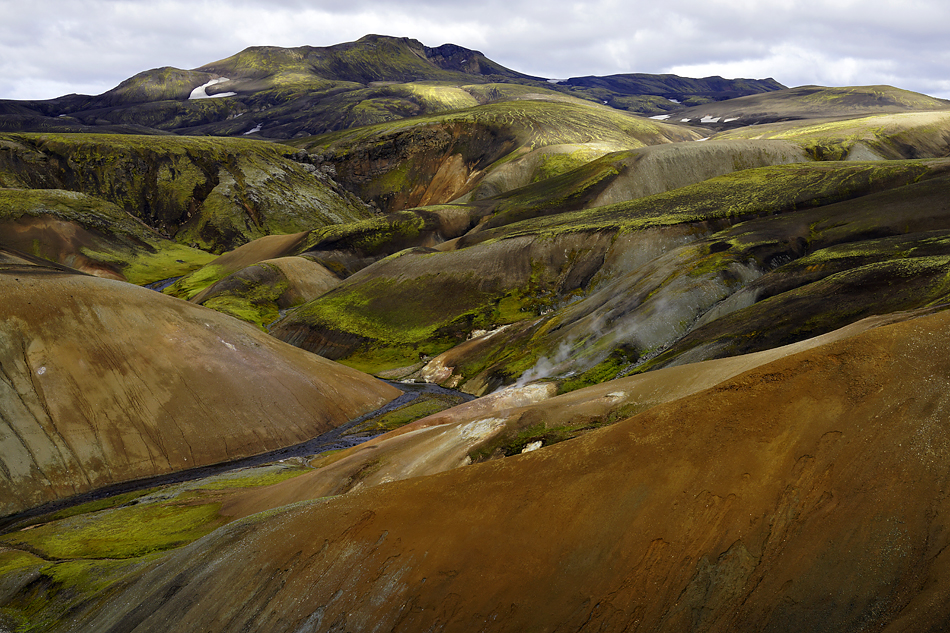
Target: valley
x: 602, y: 354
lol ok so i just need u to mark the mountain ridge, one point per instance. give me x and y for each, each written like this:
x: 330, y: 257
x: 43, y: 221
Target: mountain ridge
x: 318, y: 80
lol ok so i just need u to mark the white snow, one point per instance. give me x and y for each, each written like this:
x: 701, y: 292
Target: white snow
x: 684, y: 120
x: 533, y: 446
x: 674, y: 100
x: 556, y: 81
x: 201, y: 93
x: 702, y: 139
x: 729, y: 120
x: 709, y: 119
x: 254, y: 129
x: 661, y: 117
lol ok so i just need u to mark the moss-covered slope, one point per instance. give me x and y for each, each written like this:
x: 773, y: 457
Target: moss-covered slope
x: 91, y: 235
x: 212, y: 193
x: 809, y: 102
x: 880, y: 136
x: 289, y: 92
x: 600, y: 290
x: 435, y: 159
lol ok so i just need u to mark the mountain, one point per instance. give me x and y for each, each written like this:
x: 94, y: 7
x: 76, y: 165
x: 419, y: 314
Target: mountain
x: 647, y: 372
x: 90, y: 396
x: 283, y: 93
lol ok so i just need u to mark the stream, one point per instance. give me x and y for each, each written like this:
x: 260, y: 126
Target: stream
x: 331, y: 440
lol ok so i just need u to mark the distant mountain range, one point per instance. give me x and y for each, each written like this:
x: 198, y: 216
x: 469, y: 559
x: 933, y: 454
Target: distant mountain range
x: 285, y: 92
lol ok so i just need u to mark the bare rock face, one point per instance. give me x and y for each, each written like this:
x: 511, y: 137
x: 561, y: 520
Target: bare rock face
x: 102, y: 382
x: 806, y: 494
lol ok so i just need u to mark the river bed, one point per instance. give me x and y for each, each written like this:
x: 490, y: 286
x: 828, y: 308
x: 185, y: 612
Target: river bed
x: 334, y: 439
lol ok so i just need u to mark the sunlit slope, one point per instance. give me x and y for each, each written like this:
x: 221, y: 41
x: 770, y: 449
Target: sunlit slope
x: 435, y: 159
x: 804, y: 494
x: 106, y: 382
x: 215, y: 193
x: 515, y: 420
x: 879, y: 136
x: 811, y: 102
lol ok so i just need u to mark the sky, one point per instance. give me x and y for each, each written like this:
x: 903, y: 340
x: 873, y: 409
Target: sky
x: 50, y: 48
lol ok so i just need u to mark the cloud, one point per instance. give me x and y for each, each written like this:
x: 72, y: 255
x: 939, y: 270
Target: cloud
x: 58, y: 46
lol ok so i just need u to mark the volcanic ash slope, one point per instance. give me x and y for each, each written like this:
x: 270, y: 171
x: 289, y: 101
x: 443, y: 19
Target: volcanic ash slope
x: 102, y: 382
x: 806, y: 494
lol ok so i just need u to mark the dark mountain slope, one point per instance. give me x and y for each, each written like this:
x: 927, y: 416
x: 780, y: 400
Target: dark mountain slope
x: 214, y: 193
x: 288, y: 92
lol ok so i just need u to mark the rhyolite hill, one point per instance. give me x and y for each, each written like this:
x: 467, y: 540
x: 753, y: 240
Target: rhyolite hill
x: 705, y: 320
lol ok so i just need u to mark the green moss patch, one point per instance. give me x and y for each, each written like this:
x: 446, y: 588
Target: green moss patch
x: 125, y: 532
x: 425, y: 405
x: 190, y: 285
x: 262, y: 476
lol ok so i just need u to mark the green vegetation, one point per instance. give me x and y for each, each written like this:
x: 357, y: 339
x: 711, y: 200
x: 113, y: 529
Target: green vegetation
x: 734, y: 197
x: 193, y: 283
x: 85, y: 232
x: 252, y: 478
x: 516, y: 437
x: 68, y: 562
x: 424, y: 405
x: 125, y: 532
x: 259, y: 308
x: 216, y: 193
x: 891, y: 136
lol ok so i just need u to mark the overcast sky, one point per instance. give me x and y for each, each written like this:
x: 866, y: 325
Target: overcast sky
x: 49, y: 48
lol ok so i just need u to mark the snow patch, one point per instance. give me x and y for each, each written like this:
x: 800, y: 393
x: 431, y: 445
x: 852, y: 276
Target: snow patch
x: 735, y: 118
x: 201, y: 91
x: 660, y: 117
x: 674, y: 100
x: 685, y: 120
x: 702, y: 139
x: 556, y: 81
x: 255, y: 129
x: 709, y: 119
x: 533, y: 446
